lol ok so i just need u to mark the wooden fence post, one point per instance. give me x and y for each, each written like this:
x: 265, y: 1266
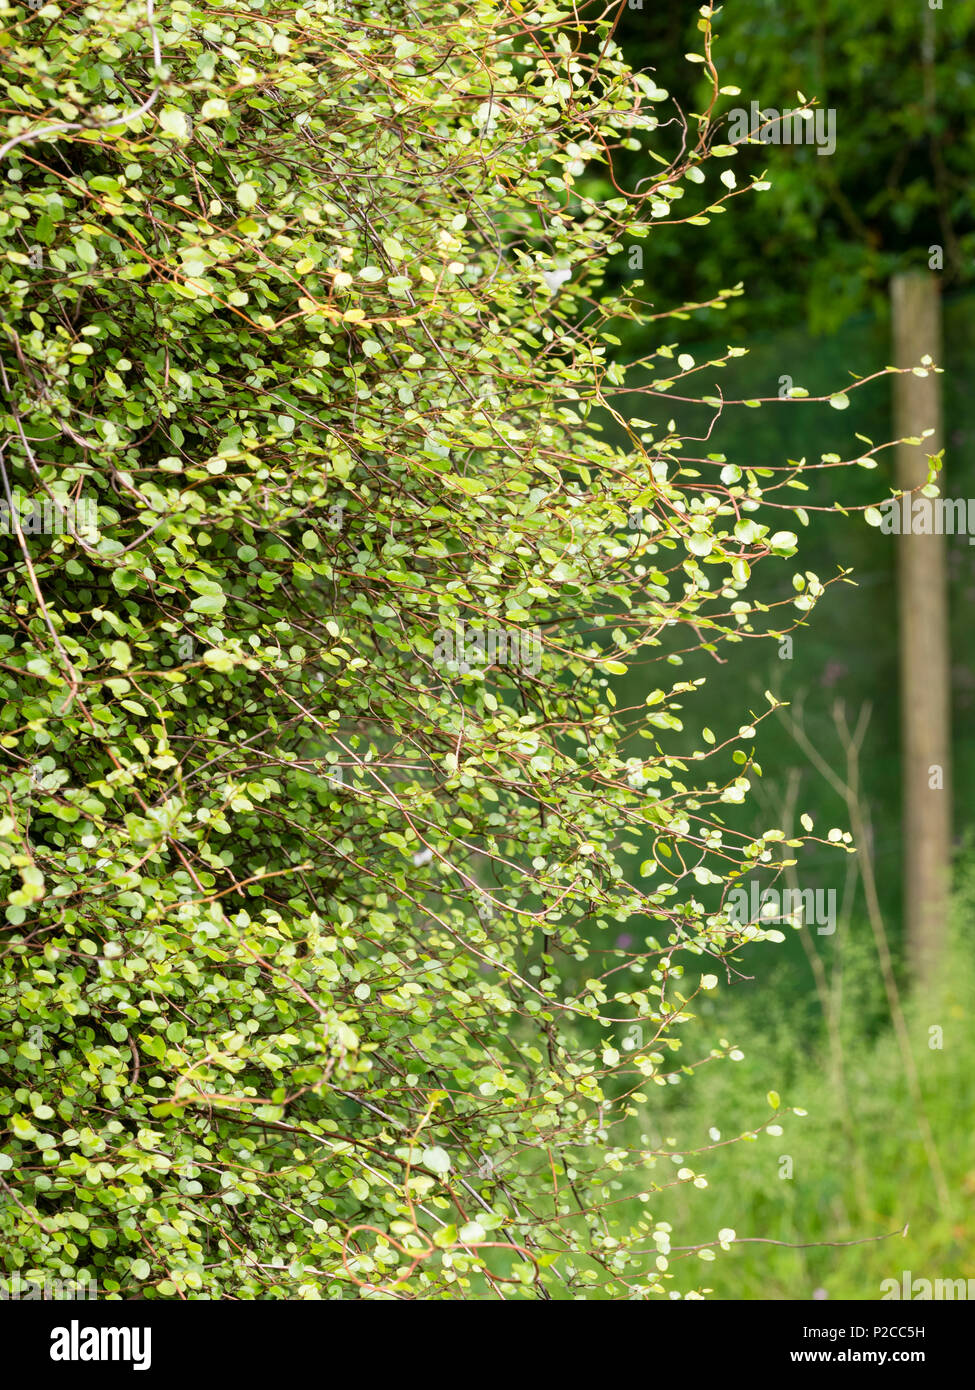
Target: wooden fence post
x: 925, y: 660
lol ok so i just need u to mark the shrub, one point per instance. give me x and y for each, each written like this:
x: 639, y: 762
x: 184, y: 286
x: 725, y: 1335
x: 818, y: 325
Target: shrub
x: 317, y: 780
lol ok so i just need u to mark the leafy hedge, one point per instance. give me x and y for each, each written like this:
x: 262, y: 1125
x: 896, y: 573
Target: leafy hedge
x: 312, y: 983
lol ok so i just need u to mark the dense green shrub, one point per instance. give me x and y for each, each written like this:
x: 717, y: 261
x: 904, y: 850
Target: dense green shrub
x: 311, y: 982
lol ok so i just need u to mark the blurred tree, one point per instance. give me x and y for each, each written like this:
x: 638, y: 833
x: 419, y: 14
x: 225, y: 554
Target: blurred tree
x: 894, y: 192
x: 871, y: 193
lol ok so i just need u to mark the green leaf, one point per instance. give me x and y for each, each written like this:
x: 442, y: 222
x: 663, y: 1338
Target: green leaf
x: 218, y: 660
x: 436, y: 1159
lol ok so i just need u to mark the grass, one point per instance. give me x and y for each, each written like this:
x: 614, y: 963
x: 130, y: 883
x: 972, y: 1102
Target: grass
x: 856, y: 1165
